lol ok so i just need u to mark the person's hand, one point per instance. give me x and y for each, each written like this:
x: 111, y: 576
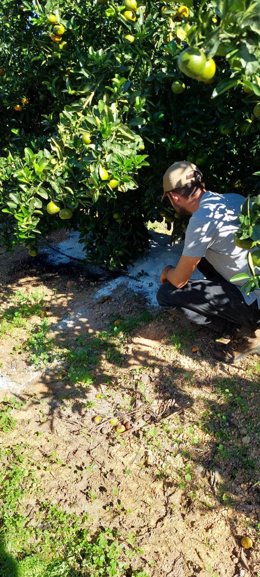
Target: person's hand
x: 163, y: 277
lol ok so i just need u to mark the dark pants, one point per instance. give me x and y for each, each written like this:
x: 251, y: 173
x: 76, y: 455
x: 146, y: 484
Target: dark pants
x: 212, y: 301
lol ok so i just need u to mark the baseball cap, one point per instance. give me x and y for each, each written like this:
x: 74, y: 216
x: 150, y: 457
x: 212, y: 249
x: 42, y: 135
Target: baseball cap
x: 179, y: 175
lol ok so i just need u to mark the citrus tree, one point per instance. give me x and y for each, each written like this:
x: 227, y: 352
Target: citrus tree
x: 98, y: 98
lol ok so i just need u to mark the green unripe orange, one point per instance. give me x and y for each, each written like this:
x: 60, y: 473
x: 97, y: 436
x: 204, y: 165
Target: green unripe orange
x: 256, y: 257
x: 177, y: 87
x: 65, y: 214
x: 208, y: 71
x: 32, y: 251
x: 117, y: 217
x: 62, y: 45
x: 243, y: 243
x: 192, y: 62
x: 256, y: 110
x: 86, y: 137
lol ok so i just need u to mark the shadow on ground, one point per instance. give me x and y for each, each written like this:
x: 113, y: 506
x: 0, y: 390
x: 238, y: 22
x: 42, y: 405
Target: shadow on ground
x: 114, y: 357
x: 8, y: 565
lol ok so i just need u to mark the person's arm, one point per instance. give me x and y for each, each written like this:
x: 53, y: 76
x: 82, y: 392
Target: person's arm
x: 180, y: 275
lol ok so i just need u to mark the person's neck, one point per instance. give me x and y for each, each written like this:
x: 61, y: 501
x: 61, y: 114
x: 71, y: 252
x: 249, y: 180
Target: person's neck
x: 195, y: 202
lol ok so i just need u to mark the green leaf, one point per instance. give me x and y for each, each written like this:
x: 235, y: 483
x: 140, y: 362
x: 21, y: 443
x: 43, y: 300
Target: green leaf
x: 28, y: 154
x: 14, y: 197
x: 37, y: 203
x: 224, y: 86
x: 256, y: 232
x: 240, y: 276
x: 252, y: 86
x: 41, y: 192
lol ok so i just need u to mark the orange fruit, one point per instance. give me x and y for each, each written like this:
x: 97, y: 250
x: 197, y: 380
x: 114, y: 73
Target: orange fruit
x: 86, y: 137
x: 120, y: 429
x: 256, y: 257
x: 113, y: 183
x: 256, y: 110
x: 104, y: 175
x: 117, y: 217
x: 243, y: 243
x: 114, y: 422
x: 246, y: 542
x: 59, y: 29
x: 97, y: 419
x: 52, y: 208
x: 192, y: 62
x: 224, y: 129
x: 183, y: 11
x: 208, y: 71
x: 131, y: 4
x: 62, y: 45
x: 194, y: 349
x: 18, y: 107
x: 52, y: 19
x: 56, y: 38
x: 130, y: 38
x: 32, y: 251
x: 129, y: 15
x: 177, y: 87
x: 65, y: 214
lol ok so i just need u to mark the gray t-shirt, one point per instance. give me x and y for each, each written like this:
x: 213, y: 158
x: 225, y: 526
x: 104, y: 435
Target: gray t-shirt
x: 210, y: 234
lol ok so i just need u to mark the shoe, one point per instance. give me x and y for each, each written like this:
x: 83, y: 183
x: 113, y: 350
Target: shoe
x: 233, y: 350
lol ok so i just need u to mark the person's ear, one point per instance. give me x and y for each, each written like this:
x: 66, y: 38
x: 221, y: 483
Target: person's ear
x: 175, y: 197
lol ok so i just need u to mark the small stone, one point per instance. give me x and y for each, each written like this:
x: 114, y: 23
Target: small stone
x: 145, y: 379
x: 246, y: 440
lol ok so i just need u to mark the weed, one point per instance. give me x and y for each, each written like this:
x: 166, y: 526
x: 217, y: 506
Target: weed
x: 176, y: 342
x: 126, y: 325
x: 180, y: 339
x: 22, y: 307
x: 41, y: 347
x: 80, y: 374
x: 7, y: 421
x: 56, y: 543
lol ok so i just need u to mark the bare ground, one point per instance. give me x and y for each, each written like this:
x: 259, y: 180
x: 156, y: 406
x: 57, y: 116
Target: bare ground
x: 182, y: 480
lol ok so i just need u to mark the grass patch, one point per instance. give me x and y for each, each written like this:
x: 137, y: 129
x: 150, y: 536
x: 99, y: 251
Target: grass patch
x: 7, y: 421
x: 43, y: 349
x: 48, y: 541
x: 126, y: 325
x: 21, y: 308
x: 180, y: 339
